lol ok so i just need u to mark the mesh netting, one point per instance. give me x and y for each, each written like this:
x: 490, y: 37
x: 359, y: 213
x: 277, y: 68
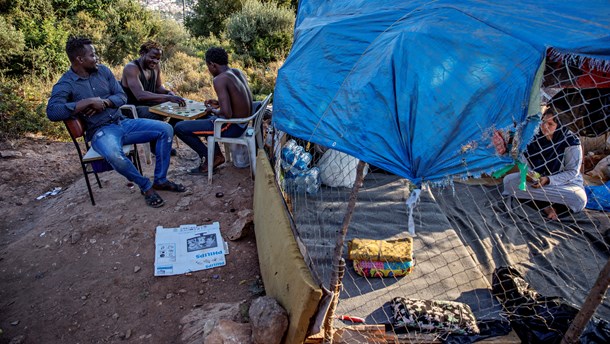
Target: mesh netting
x: 475, y: 258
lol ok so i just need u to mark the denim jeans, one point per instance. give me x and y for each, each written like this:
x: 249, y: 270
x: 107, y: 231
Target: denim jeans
x: 204, y: 127
x: 109, y: 140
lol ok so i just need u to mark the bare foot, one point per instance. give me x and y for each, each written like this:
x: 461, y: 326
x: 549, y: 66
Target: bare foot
x: 551, y: 214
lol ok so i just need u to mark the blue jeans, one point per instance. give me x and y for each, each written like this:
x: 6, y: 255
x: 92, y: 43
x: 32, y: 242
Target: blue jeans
x: 186, y: 130
x: 109, y: 140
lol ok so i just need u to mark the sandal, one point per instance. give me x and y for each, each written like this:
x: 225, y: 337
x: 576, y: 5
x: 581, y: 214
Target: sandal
x: 169, y: 186
x: 154, y: 200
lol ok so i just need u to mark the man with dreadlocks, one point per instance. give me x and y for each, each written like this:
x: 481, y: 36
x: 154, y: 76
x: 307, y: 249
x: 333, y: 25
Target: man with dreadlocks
x: 142, y: 83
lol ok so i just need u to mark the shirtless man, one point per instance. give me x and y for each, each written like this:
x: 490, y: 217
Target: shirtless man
x: 234, y: 101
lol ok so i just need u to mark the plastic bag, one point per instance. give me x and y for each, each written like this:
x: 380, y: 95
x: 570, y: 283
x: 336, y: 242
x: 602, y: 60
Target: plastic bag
x: 338, y: 169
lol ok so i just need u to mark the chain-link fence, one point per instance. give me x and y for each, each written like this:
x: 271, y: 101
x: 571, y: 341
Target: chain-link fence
x: 477, y: 257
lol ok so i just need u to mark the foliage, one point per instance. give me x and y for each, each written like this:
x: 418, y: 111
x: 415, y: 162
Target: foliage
x: 33, y: 34
x: 208, y: 16
x: 21, y: 112
x: 43, y: 38
x: 185, y: 74
x: 129, y: 25
x: 261, y: 30
x: 11, y: 40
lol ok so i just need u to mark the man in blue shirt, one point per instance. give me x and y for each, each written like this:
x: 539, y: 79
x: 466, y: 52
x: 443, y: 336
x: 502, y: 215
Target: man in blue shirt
x: 90, y: 91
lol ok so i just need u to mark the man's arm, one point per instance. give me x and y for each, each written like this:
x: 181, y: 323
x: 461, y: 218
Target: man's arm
x: 61, y: 107
x: 131, y: 75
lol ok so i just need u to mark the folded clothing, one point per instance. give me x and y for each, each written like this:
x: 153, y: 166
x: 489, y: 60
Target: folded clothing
x: 369, y: 268
x: 399, y: 250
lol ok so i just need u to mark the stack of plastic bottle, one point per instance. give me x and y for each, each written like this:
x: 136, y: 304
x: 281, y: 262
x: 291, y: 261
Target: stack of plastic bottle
x: 298, y: 177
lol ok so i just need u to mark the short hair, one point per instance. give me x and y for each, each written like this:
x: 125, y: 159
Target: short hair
x: 150, y: 45
x: 217, y: 55
x: 75, y: 47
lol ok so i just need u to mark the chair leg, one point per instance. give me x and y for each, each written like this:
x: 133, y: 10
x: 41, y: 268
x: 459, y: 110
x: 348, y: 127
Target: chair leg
x: 252, y: 156
x: 89, y: 184
x: 135, y: 157
x: 210, y: 158
x: 147, y: 154
x: 228, y: 155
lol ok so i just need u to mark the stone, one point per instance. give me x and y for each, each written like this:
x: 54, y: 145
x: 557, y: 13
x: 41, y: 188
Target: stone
x: 199, y: 322
x: 8, y: 154
x: 229, y: 332
x: 269, y: 321
x: 240, y: 227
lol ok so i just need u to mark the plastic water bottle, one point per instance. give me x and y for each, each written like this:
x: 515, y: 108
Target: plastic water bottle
x: 269, y: 137
x: 302, y: 161
x: 300, y: 185
x: 288, y: 152
x: 312, y: 180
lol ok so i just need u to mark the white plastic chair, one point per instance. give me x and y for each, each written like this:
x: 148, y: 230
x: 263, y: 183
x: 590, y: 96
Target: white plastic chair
x: 134, y: 114
x: 248, y: 138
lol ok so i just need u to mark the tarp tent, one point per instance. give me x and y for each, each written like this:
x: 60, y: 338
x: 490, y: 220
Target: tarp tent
x: 415, y: 87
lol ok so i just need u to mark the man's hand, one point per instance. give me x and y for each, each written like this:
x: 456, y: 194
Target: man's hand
x: 178, y: 100
x: 90, y: 106
x: 213, y: 103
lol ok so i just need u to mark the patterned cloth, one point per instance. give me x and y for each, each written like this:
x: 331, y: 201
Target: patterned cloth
x: 443, y: 317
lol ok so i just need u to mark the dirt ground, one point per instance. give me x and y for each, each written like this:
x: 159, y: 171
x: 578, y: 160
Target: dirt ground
x: 76, y: 273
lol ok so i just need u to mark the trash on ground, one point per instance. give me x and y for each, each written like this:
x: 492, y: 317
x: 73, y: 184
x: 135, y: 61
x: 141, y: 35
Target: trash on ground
x: 189, y: 248
x: 53, y: 192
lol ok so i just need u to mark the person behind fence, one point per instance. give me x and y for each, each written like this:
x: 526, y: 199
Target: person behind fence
x: 234, y: 101
x: 142, y: 83
x: 555, y: 154
x: 89, y: 91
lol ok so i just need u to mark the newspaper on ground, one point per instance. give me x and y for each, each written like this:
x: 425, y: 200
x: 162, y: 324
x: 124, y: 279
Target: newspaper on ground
x: 189, y: 248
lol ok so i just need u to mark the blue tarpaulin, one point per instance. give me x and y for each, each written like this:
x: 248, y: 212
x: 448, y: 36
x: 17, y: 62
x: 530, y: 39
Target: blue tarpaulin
x: 416, y: 87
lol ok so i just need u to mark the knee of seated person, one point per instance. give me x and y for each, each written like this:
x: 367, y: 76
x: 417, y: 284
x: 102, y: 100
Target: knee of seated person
x: 578, y: 205
x: 117, y: 159
x: 180, y: 129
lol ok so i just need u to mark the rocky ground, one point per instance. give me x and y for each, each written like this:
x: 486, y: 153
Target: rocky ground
x: 77, y: 273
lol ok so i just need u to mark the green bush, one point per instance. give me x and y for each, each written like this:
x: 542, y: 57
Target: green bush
x: 208, y: 16
x: 261, y: 30
x: 22, y: 112
x: 11, y: 41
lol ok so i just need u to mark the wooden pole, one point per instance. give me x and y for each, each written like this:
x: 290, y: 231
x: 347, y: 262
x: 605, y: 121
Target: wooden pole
x: 592, y: 301
x: 338, y: 261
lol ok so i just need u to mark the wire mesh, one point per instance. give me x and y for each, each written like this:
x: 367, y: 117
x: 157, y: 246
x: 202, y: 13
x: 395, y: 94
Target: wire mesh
x: 466, y: 231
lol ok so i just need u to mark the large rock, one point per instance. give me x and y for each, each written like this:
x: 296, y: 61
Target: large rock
x: 200, y: 322
x: 269, y: 321
x: 229, y: 332
x: 240, y: 227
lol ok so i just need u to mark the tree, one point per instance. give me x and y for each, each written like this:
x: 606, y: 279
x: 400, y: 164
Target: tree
x: 261, y: 30
x: 11, y: 41
x: 208, y: 16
